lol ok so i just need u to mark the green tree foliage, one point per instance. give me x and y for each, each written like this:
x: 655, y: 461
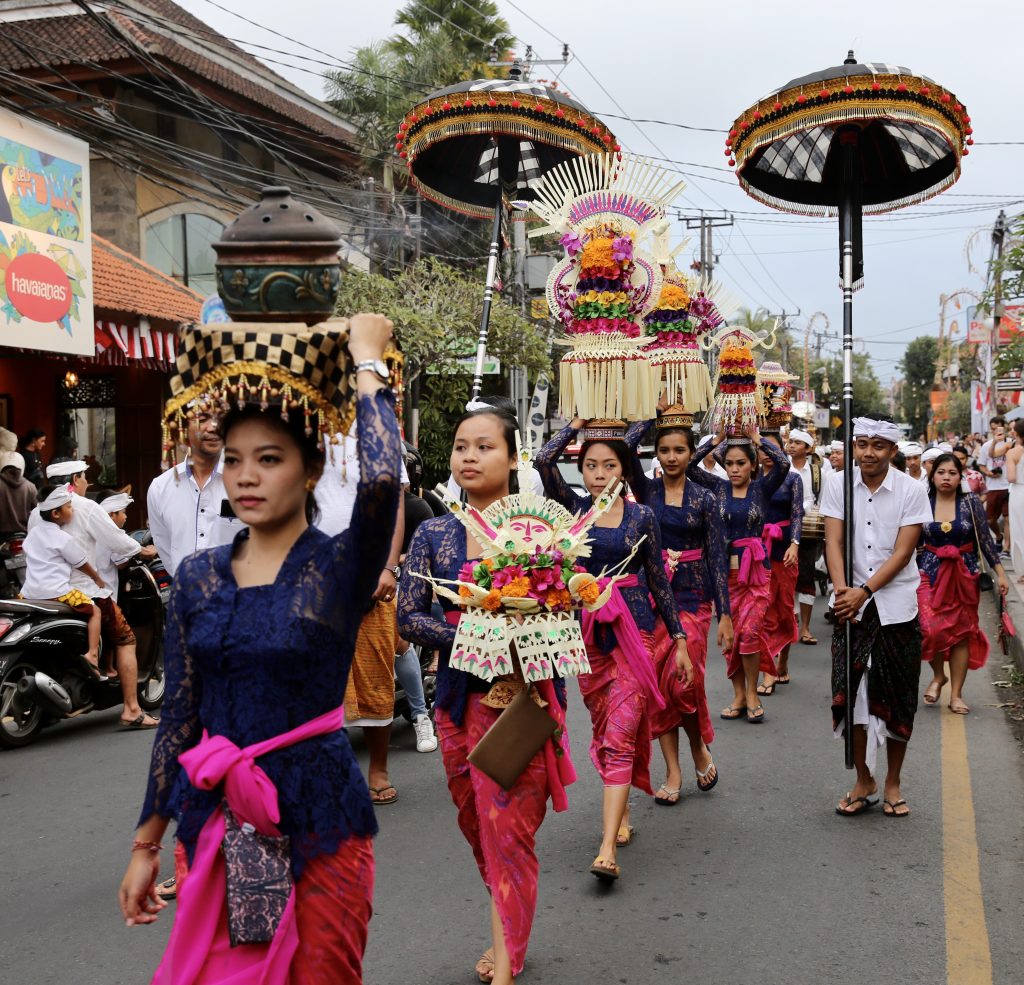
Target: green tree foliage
x: 918, y: 369
x: 958, y: 412
x: 1009, y: 272
x: 436, y: 311
x: 868, y: 396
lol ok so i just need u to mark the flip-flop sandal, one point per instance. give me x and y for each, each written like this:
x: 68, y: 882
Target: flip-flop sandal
x: 379, y: 801
x: 964, y: 709
x: 94, y: 669
x: 666, y: 796
x: 730, y: 714
x: 808, y: 640
x: 753, y: 717
x: 605, y: 869
x: 864, y: 804
x: 702, y: 786
x: 138, y: 723
x: 766, y: 690
x: 168, y: 889
x: 485, y: 966
x: 625, y: 835
x: 931, y: 695
x: 892, y: 812
x: 783, y: 679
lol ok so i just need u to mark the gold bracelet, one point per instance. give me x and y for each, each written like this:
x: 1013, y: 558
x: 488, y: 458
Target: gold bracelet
x: 146, y: 846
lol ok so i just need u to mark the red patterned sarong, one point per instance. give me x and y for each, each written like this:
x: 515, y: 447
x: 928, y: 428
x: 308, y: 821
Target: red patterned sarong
x: 748, y: 603
x: 681, y: 699
x: 780, y: 628
x: 948, y: 613
x: 500, y: 825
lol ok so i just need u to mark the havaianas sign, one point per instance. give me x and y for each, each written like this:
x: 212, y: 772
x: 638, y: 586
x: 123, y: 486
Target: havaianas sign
x: 45, y: 239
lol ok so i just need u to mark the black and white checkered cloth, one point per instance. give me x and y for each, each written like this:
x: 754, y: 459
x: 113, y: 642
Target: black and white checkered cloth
x: 529, y: 167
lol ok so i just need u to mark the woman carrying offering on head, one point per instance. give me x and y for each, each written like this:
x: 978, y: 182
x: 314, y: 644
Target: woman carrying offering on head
x: 693, y: 550
x: 742, y: 502
x: 948, y: 596
x: 622, y: 689
x: 781, y: 535
x: 500, y: 826
x: 250, y: 750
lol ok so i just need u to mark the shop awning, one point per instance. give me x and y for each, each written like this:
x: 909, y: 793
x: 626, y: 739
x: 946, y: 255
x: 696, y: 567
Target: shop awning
x: 138, y: 344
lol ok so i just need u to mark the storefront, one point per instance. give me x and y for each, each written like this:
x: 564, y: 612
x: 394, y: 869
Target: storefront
x: 109, y: 405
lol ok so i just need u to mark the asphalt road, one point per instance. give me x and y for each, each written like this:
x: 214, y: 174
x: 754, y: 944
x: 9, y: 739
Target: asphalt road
x: 757, y: 882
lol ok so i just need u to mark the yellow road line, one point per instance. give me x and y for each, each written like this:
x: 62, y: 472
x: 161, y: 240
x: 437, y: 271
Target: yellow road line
x: 968, y: 958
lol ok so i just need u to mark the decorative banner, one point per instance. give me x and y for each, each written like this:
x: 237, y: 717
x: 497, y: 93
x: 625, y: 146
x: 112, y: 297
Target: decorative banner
x: 45, y: 239
x: 979, y: 407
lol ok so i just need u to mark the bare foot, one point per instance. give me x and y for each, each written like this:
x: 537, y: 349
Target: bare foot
x: 958, y: 706
x: 932, y: 692
x: 485, y: 966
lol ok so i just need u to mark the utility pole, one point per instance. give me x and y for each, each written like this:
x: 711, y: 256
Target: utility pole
x: 783, y: 320
x: 707, y: 222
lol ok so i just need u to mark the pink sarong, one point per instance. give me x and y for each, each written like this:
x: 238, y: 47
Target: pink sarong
x: 680, y: 699
x: 948, y: 610
x: 748, y: 602
x: 619, y: 692
x: 780, y: 627
x: 501, y: 826
x: 198, y: 952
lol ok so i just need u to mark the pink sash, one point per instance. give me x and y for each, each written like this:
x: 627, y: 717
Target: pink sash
x: 954, y: 584
x: 772, y: 532
x: 615, y: 614
x: 252, y: 796
x: 751, y: 564
x: 673, y: 559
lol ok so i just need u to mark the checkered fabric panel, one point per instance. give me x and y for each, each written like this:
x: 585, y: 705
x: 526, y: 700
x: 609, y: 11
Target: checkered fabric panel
x: 529, y: 167
x: 921, y: 146
x: 800, y: 157
x: 320, y: 359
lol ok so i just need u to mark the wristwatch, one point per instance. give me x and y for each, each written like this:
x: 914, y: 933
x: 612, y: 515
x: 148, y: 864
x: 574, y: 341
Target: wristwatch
x: 396, y: 571
x: 864, y: 588
x: 377, y: 366
x: 679, y: 636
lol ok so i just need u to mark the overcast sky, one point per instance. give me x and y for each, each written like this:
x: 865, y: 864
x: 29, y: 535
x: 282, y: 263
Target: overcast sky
x: 701, y: 65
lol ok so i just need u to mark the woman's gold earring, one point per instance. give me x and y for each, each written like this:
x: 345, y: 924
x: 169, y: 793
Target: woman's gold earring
x: 310, y: 485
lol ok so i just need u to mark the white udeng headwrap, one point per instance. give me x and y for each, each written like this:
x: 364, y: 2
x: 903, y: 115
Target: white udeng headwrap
x: 911, y: 449
x: 931, y: 454
x: 117, y: 502
x: 796, y: 434
x: 836, y: 446
x: 865, y: 427
x: 58, y: 498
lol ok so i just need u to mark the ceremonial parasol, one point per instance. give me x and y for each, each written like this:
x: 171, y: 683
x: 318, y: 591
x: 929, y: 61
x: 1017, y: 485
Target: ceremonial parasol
x: 475, y: 146
x: 851, y: 139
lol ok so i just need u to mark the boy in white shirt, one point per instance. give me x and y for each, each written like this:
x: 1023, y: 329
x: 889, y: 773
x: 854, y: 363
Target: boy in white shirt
x: 50, y: 555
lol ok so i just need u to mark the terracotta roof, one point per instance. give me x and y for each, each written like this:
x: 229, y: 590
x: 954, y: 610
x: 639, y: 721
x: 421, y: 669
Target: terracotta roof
x: 123, y: 284
x: 168, y: 33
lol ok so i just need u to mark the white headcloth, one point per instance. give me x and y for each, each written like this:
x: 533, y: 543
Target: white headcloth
x: 61, y: 469
x: 117, y: 502
x: 911, y: 449
x: 58, y: 498
x: 836, y: 446
x: 931, y: 454
x: 865, y: 427
x: 796, y: 434
x: 478, y: 405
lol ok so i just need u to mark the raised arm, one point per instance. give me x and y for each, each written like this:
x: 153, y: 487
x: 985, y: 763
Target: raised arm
x: 657, y: 580
x: 415, y: 621
x: 701, y: 476
x: 771, y: 483
x: 546, y: 463
x: 635, y: 433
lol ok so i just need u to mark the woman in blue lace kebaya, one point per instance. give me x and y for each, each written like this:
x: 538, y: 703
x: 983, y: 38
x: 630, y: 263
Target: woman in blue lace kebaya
x: 693, y: 549
x: 947, y: 599
x: 621, y: 691
x: 742, y: 503
x: 782, y: 531
x: 259, y: 642
x: 500, y: 825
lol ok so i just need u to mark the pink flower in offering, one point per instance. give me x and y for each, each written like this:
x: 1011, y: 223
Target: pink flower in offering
x: 503, y: 576
x: 572, y: 242
x: 622, y: 248
x: 466, y: 572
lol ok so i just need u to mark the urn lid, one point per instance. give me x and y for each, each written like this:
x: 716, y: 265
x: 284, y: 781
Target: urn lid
x: 279, y: 217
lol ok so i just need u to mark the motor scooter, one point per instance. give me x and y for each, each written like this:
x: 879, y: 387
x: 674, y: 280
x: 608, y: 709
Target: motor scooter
x: 44, y: 676
x: 12, y: 564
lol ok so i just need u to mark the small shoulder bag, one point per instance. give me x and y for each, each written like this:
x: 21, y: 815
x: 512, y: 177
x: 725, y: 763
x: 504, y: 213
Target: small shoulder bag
x: 985, y: 582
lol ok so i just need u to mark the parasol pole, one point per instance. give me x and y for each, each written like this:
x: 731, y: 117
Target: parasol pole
x: 492, y: 276
x: 849, y: 207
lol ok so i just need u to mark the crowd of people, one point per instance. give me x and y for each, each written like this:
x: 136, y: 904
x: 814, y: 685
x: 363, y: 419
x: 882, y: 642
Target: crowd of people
x: 297, y: 559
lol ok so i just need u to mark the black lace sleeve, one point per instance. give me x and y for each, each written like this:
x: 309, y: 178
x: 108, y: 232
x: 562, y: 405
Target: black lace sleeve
x: 179, y: 727
x: 701, y: 476
x: 983, y: 535
x: 635, y: 433
x: 367, y: 542
x: 657, y: 580
x: 546, y: 463
x: 773, y: 480
x: 415, y: 621
x: 796, y: 515
x: 716, y: 552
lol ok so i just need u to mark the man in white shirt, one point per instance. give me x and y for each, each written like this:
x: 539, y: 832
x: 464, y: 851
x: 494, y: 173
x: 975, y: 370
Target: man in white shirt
x: 992, y: 464
x: 93, y: 530
x: 707, y: 459
x: 927, y: 464
x: 881, y: 606
x: 912, y: 452
x: 188, y: 506
x: 800, y: 446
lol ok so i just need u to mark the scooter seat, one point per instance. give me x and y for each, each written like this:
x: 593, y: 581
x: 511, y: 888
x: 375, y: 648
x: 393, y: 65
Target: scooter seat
x: 22, y: 606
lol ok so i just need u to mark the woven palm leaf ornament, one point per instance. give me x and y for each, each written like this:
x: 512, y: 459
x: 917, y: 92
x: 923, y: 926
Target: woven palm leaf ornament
x: 775, y: 385
x: 738, y: 400
x: 518, y: 600
x: 601, y: 206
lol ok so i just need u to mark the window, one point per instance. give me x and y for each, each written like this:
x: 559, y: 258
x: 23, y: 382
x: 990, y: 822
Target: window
x: 182, y: 246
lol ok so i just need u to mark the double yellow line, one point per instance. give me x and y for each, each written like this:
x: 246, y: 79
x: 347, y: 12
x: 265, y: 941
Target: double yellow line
x: 968, y: 957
